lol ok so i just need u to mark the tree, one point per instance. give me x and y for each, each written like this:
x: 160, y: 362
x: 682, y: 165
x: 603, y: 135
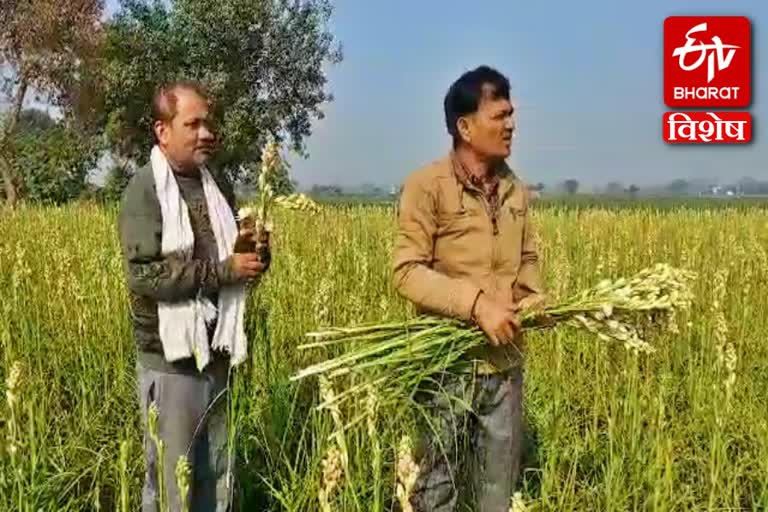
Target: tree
x: 633, y: 190
x: 261, y: 61
x: 678, y: 187
x: 571, y: 186
x: 614, y: 188
x: 751, y: 186
x: 117, y: 179
x: 46, y: 47
x: 326, y: 191
x: 33, y: 120
x: 51, y: 161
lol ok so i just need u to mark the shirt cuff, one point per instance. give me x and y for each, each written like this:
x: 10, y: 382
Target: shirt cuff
x: 227, y: 276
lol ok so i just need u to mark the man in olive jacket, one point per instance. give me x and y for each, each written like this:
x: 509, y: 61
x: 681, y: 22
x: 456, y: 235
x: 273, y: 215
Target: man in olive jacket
x: 181, y: 393
x: 465, y: 249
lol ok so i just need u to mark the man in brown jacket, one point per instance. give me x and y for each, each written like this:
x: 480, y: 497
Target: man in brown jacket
x: 465, y: 249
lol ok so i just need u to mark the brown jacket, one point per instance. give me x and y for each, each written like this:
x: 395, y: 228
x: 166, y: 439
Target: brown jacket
x: 450, y: 246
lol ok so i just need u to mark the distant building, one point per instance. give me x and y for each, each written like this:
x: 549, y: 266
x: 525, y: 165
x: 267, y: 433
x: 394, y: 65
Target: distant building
x: 721, y: 191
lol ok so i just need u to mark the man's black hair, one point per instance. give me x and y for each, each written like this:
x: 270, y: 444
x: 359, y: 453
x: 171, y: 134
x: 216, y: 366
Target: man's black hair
x: 466, y: 93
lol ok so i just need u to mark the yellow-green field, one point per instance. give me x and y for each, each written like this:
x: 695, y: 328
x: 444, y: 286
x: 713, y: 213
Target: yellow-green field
x: 685, y: 428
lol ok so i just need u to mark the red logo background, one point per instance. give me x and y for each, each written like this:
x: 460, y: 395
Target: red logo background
x: 732, y: 30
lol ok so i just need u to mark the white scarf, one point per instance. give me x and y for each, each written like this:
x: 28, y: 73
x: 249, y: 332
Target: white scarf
x: 182, y: 325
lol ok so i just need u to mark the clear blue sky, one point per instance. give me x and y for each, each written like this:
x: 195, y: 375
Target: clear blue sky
x: 586, y: 77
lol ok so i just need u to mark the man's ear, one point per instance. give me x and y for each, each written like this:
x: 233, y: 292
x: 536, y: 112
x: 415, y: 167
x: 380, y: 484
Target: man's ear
x: 465, y: 130
x: 160, y: 129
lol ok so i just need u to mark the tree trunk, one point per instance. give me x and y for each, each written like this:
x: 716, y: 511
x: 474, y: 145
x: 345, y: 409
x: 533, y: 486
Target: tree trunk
x: 6, y: 157
x: 9, y: 186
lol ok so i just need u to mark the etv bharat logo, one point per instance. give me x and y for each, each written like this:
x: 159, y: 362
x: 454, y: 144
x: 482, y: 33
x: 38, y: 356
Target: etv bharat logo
x: 707, y: 61
x: 706, y: 51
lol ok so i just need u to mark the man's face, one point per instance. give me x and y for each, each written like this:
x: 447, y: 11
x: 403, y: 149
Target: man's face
x: 489, y: 130
x: 187, y: 139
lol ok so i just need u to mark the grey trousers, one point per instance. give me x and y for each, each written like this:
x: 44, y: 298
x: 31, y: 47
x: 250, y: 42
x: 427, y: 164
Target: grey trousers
x: 470, y: 456
x: 182, y: 401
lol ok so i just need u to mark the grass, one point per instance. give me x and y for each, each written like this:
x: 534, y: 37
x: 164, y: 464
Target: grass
x: 683, y: 428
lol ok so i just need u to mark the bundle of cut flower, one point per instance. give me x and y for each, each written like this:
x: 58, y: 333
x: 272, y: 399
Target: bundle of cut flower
x: 396, y: 357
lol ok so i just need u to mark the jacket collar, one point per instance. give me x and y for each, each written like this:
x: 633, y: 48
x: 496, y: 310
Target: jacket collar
x: 504, y: 174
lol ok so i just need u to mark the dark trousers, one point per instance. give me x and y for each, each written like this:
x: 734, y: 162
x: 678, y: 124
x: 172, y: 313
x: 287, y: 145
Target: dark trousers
x: 471, y: 438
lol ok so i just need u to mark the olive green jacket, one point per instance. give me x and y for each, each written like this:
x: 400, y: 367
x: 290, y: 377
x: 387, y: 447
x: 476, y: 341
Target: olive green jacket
x: 152, y: 277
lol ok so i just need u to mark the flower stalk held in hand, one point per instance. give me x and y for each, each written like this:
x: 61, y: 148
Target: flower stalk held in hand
x: 398, y: 356
x: 257, y: 217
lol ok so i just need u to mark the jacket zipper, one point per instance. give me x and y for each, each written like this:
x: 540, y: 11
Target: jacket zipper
x: 495, y: 231
x: 494, y: 220
x: 494, y: 228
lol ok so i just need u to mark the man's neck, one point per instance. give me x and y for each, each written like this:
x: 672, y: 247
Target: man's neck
x: 474, y: 164
x: 177, y: 168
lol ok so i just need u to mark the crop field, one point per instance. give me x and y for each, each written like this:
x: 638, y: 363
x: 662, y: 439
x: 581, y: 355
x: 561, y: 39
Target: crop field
x: 682, y: 428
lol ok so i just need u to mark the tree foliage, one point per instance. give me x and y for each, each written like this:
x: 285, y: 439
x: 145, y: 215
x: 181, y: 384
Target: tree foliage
x: 47, y: 47
x: 571, y: 186
x: 678, y: 187
x: 614, y: 188
x: 51, y: 160
x: 262, y: 61
x: 117, y: 179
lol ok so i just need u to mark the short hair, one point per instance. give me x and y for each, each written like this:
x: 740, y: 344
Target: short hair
x: 466, y: 93
x: 165, y: 99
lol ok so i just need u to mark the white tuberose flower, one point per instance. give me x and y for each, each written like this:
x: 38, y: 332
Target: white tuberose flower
x: 242, y: 213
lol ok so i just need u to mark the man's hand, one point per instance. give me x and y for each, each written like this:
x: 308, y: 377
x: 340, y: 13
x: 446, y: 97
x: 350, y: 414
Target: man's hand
x: 245, y: 241
x: 263, y: 249
x: 246, y: 265
x: 533, y: 302
x: 249, y: 242
x: 498, y: 320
